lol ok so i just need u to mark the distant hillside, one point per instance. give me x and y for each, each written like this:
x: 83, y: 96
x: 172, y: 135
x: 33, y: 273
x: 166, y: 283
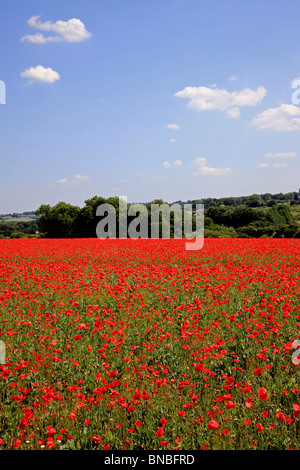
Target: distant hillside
x: 24, y: 217
x: 19, y: 225
x: 254, y: 200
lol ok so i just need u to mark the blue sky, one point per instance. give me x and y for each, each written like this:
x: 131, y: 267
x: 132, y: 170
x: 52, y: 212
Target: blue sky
x: 172, y: 99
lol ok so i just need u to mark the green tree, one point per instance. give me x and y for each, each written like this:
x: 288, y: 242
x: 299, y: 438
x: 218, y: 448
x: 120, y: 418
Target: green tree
x: 255, y: 201
x: 86, y: 221
x: 17, y: 235
x: 58, y: 221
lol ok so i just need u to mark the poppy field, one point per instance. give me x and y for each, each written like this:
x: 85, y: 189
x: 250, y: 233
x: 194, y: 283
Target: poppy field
x: 142, y: 345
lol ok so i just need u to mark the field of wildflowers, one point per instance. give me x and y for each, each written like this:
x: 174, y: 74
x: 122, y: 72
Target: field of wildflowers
x: 142, y: 345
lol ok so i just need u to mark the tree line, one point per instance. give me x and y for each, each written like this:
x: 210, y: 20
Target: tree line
x: 67, y: 221
x: 254, y: 200
x: 247, y: 217
x: 247, y: 222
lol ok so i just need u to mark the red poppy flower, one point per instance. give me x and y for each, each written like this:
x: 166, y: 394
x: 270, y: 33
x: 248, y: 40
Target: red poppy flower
x: 263, y: 394
x: 296, y: 410
x: 23, y: 423
x: 6, y: 373
x: 164, y: 443
x: 163, y: 421
x: 17, y: 443
x: 213, y: 424
x: 73, y: 414
x: 160, y: 432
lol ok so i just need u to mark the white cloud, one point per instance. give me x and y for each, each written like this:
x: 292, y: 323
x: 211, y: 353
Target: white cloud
x: 72, y: 30
x: 280, y: 165
x: 199, y: 161
x: 203, y: 169
x: 281, y: 119
x: 39, y: 38
x: 62, y: 181
x: 76, y: 179
x: 204, y: 98
x: 281, y: 155
x: 40, y: 74
x: 81, y: 178
x: 176, y: 163
x: 233, y: 112
x: 172, y: 126
x: 233, y: 78
x: 172, y: 141
x: 262, y: 165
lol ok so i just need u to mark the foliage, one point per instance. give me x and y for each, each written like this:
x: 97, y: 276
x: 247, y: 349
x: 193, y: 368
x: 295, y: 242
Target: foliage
x: 7, y: 229
x: 246, y: 216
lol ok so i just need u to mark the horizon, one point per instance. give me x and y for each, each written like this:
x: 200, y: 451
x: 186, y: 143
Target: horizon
x: 149, y: 100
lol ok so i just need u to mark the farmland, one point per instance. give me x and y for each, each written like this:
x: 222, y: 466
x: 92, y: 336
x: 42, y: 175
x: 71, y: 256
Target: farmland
x: 140, y: 344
